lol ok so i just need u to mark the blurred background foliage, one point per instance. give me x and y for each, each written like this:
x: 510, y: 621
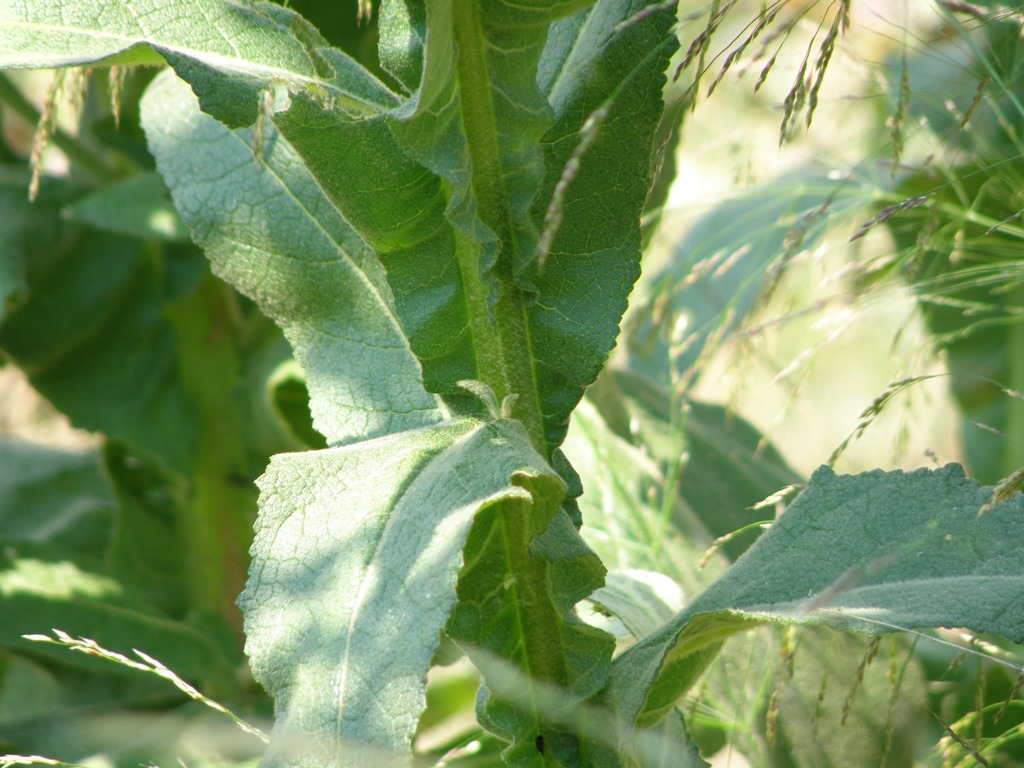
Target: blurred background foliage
x: 830, y: 276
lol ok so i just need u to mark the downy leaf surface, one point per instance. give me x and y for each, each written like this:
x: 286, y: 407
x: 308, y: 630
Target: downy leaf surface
x: 355, y: 562
x: 393, y: 237
x: 271, y: 232
x: 875, y: 552
x: 402, y: 181
x: 600, y: 59
x: 208, y: 42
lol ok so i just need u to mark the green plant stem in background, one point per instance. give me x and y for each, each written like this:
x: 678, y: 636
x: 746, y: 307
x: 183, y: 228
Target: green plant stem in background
x: 216, y: 516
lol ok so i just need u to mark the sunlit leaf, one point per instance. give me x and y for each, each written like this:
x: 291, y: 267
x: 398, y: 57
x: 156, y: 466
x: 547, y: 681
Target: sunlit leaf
x: 937, y: 564
x: 354, y: 573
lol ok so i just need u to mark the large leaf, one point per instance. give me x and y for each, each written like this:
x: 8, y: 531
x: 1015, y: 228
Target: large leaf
x: 269, y: 230
x: 87, y: 304
x: 593, y: 61
x: 354, y: 574
x: 875, y: 552
x: 251, y: 46
x: 460, y: 302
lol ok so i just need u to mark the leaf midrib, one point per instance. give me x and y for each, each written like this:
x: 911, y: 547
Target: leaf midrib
x: 344, y: 258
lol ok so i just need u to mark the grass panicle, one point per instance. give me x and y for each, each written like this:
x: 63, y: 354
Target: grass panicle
x: 149, y: 665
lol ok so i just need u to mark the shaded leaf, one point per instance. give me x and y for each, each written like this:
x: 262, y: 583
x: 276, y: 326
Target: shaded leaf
x: 147, y: 548
x: 849, y: 702
x: 91, y: 303
x: 31, y: 237
x: 138, y: 207
x: 42, y: 588
x: 50, y: 496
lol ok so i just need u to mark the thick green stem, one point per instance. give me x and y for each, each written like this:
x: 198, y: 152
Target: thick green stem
x: 505, y: 609
x: 218, y: 520
x: 541, y: 626
x: 508, y: 367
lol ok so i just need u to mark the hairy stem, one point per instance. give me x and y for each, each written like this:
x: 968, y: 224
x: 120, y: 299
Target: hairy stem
x: 509, y: 370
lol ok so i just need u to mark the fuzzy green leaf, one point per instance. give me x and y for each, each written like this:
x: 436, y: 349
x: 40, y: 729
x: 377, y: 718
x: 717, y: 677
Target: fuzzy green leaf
x: 589, y: 63
x: 441, y: 185
x: 432, y: 184
x: 355, y: 563
x: 269, y: 230
x: 876, y: 552
x: 209, y: 42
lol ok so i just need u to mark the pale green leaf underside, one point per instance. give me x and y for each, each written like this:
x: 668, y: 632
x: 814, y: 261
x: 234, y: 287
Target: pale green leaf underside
x: 875, y: 552
x: 356, y: 557
x: 271, y: 232
x: 254, y: 45
x: 43, y: 33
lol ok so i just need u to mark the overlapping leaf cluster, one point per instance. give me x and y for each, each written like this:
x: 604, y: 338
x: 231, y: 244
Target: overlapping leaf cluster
x: 392, y: 233
x: 448, y: 247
